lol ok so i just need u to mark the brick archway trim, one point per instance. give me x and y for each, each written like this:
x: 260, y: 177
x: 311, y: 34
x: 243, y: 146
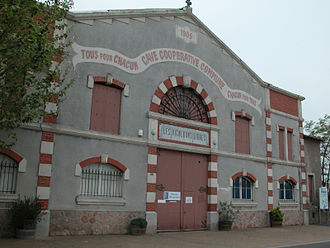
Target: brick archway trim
x: 287, y: 178
x: 98, y: 159
x: 186, y: 82
x: 242, y: 174
x: 15, y: 156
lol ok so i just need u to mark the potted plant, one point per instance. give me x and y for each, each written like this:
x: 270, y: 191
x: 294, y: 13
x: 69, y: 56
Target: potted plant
x: 226, y: 216
x: 276, y: 217
x: 24, y: 214
x: 138, y: 226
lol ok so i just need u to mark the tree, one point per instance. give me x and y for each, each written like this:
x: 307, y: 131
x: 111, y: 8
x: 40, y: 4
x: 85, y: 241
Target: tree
x: 32, y: 35
x: 321, y: 129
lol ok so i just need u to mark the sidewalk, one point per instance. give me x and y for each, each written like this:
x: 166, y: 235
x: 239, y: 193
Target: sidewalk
x: 249, y: 238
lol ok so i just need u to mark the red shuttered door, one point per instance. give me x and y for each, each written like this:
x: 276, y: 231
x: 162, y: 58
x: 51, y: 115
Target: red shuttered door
x: 242, y: 135
x: 185, y: 173
x: 105, y: 116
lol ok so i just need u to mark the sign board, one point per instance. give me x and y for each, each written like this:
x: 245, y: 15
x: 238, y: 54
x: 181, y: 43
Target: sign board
x: 323, y: 198
x: 183, y: 134
x: 189, y: 200
x: 172, y: 196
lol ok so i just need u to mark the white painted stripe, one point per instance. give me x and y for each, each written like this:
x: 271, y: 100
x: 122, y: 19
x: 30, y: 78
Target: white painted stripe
x: 126, y: 174
x: 270, y: 186
x: 230, y: 182
x: 269, y: 148
x: 104, y: 158
x: 151, y: 178
x: 47, y: 147
x: 43, y: 193
x: 270, y: 200
x: 45, y: 170
x: 304, y: 200
x: 270, y: 172
x: 152, y: 159
x: 269, y: 134
x: 302, y: 142
x: 212, y: 113
x: 213, y: 166
x: 301, y: 130
x: 304, y: 188
x: 256, y: 184
x: 54, y: 87
x: 151, y: 197
x: 51, y: 107
x: 90, y: 81
x: 156, y: 100
x: 173, y: 81
x: 268, y: 121
x: 163, y: 88
x: 207, y: 100
x: 212, y: 199
x: 199, y: 88
x: 302, y: 154
x: 22, y: 165
x: 303, y: 175
x: 212, y: 182
x: 186, y: 81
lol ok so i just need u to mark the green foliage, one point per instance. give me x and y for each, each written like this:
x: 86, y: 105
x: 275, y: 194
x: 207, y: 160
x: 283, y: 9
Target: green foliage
x: 25, y: 212
x: 32, y: 35
x: 321, y: 129
x: 226, y: 211
x: 276, y: 214
x: 140, y: 222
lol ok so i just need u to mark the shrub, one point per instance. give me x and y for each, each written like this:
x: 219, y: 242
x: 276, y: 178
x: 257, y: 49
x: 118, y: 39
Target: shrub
x: 226, y: 211
x: 25, y: 213
x: 276, y: 214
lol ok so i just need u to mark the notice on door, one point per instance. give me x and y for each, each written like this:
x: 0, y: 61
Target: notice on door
x: 172, y: 196
x: 188, y: 200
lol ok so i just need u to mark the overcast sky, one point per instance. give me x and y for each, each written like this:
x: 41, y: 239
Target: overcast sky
x: 286, y: 42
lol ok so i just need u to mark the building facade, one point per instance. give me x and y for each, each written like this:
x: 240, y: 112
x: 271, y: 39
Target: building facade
x: 163, y: 121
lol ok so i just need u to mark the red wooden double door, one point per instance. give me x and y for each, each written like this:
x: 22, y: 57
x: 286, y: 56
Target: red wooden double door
x: 181, y: 198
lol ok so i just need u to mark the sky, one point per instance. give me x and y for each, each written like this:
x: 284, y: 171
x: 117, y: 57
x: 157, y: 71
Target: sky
x: 285, y: 42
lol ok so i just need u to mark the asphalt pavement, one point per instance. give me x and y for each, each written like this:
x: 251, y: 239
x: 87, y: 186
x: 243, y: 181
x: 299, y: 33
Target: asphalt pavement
x: 249, y: 238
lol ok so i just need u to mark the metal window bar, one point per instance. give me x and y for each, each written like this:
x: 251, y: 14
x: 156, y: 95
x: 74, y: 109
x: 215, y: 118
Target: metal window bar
x: 101, y: 183
x: 8, y: 176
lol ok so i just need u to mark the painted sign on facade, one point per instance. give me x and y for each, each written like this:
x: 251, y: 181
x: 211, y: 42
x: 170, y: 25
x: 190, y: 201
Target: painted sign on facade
x: 323, y: 198
x: 172, y: 196
x: 183, y: 134
x: 155, y: 56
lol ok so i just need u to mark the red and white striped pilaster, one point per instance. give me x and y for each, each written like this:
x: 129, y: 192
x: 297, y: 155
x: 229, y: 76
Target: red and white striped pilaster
x: 151, y: 179
x: 269, y: 165
x: 213, y: 183
x: 303, y: 169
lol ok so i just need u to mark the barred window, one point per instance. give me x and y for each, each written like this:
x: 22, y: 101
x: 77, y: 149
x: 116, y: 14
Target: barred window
x: 286, y: 190
x: 101, y: 180
x: 8, y: 175
x: 242, y: 188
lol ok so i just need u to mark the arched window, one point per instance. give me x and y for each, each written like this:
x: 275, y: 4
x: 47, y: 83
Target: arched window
x: 8, y: 174
x: 242, y: 188
x: 183, y: 103
x: 101, y: 180
x: 286, y: 190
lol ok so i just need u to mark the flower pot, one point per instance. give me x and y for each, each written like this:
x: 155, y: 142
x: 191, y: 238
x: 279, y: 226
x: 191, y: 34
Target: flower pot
x: 25, y: 233
x: 276, y: 223
x: 225, y: 225
x: 137, y: 230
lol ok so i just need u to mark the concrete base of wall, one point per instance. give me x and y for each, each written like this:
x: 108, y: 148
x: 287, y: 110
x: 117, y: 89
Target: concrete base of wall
x: 5, y: 230
x: 152, y: 222
x: 83, y: 222
x: 306, y: 217
x: 42, y: 229
x: 212, y: 221
x: 248, y: 219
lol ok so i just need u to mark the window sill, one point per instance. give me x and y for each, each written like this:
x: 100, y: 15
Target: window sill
x: 288, y: 204
x: 115, y: 201
x: 8, y: 198
x: 242, y: 204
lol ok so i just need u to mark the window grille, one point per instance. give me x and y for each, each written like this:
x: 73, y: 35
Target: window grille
x: 8, y: 175
x: 286, y: 190
x: 99, y: 180
x: 242, y: 188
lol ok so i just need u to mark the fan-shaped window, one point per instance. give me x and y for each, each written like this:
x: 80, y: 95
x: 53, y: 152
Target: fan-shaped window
x: 183, y: 103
